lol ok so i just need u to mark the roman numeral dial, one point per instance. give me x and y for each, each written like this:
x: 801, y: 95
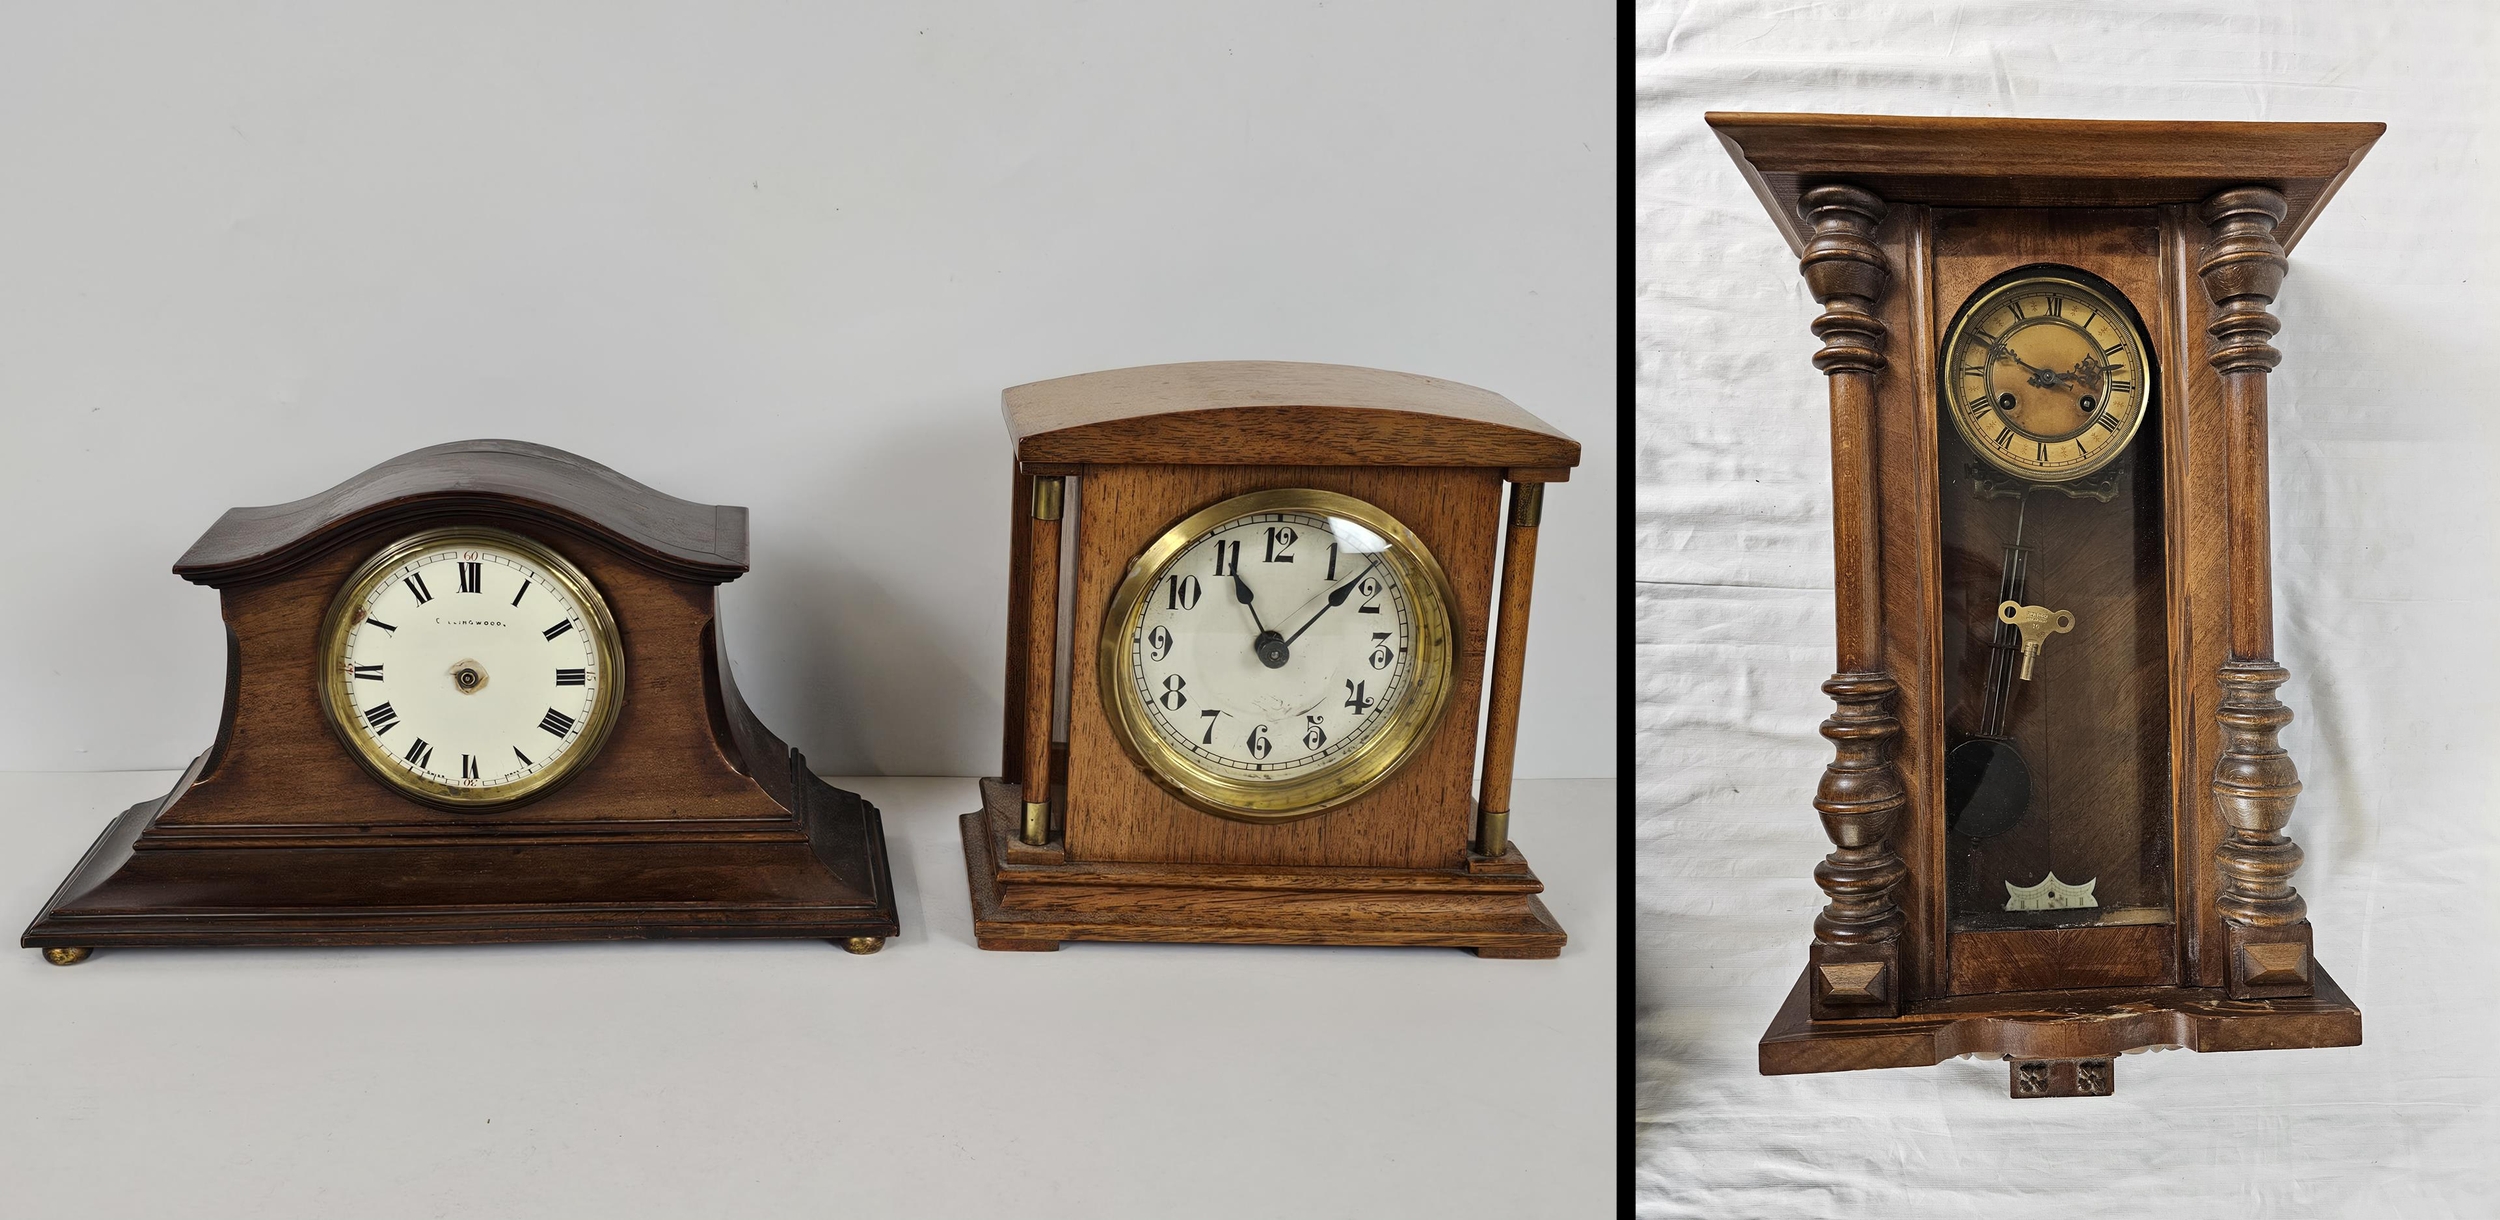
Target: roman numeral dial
x: 471, y: 702
x: 2046, y: 374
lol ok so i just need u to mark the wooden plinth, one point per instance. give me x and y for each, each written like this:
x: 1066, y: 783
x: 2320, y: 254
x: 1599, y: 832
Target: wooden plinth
x: 1026, y: 898
x: 531, y: 886
x: 2057, y: 1025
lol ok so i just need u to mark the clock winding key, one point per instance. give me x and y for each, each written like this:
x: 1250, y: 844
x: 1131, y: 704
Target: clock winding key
x: 2037, y: 623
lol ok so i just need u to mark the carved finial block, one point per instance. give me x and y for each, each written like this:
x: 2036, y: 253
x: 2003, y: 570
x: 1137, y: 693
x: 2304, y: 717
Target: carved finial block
x: 2242, y: 268
x: 1845, y: 270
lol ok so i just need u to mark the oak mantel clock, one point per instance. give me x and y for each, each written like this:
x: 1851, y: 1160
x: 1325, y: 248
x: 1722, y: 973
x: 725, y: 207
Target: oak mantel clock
x: 478, y: 693
x: 1260, y: 725
x: 2058, y: 800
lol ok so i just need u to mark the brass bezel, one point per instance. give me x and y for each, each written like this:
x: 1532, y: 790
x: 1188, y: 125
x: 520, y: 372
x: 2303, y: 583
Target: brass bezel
x: 2015, y: 282
x: 600, y: 625
x: 1335, y: 783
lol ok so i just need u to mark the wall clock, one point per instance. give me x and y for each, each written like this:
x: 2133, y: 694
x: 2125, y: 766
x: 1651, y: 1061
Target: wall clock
x: 1245, y: 709
x: 478, y: 693
x: 2058, y: 800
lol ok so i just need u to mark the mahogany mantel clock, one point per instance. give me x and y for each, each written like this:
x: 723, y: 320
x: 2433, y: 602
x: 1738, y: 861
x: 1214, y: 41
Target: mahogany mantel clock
x: 478, y: 693
x: 2059, y: 799
x: 1277, y: 602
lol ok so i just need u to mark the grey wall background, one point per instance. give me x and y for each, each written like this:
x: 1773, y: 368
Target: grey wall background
x: 772, y: 255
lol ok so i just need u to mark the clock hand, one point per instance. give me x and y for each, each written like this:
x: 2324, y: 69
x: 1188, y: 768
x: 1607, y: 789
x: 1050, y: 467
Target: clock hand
x: 1336, y: 599
x: 1241, y: 592
x: 1267, y: 646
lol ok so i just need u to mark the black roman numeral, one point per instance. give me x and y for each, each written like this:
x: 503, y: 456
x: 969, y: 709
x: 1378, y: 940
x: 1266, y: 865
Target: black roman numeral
x: 2114, y: 348
x: 572, y: 677
x: 373, y: 672
x: 556, y: 722
x: 2005, y: 439
x: 381, y: 718
x: 468, y: 766
x: 375, y: 622
x: 2044, y: 452
x: 419, y: 754
x: 2122, y: 387
x: 525, y: 759
x: 2057, y: 306
x: 472, y: 577
x: 416, y: 586
x: 558, y: 629
x: 516, y: 598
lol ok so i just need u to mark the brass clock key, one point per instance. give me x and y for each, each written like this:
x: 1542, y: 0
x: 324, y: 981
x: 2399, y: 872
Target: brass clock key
x: 2037, y: 623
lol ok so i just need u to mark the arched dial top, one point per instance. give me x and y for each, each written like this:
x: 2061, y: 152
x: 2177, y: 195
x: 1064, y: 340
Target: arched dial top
x: 470, y: 668
x: 1278, y: 654
x: 2045, y: 374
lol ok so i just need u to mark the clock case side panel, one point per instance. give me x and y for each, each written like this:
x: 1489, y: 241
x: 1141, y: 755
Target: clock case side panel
x: 2197, y: 437
x: 1419, y: 817
x: 1906, y: 529
x: 695, y: 820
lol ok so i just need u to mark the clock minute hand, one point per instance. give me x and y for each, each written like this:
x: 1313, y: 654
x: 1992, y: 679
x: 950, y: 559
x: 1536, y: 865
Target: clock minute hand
x: 1335, y: 599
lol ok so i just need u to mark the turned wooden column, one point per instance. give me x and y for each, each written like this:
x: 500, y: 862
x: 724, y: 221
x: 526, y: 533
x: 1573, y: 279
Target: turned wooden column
x: 1856, y: 959
x: 2265, y: 923
x: 1510, y: 659
x: 1041, y: 653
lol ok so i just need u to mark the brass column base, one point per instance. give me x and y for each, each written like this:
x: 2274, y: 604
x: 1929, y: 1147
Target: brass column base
x: 67, y: 957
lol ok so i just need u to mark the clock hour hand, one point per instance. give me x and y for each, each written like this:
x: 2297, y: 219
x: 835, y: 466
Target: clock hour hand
x: 1241, y: 593
x: 1335, y: 599
x: 1268, y: 646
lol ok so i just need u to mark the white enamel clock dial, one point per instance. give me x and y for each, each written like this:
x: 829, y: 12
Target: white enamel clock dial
x: 471, y: 668
x: 1278, y: 653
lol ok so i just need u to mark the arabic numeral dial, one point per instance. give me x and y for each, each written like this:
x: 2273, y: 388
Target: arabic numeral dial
x: 1281, y: 643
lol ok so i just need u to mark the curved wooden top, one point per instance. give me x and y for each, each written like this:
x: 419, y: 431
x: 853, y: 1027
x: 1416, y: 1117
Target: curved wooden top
x: 700, y: 542
x: 1275, y: 413
x: 1990, y: 162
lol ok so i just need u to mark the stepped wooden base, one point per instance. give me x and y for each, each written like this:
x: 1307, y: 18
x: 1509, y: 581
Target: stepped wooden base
x: 827, y: 881
x: 2057, y: 1025
x: 1029, y: 898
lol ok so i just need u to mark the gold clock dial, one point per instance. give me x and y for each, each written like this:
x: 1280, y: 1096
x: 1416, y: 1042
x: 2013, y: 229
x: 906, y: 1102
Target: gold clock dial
x: 2045, y: 375
x: 471, y: 668
x: 1278, y: 654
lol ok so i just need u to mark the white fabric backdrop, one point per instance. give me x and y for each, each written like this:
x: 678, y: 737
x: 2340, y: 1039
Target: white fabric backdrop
x: 2384, y: 570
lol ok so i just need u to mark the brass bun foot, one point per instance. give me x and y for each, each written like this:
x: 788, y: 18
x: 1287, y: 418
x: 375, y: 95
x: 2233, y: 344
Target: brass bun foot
x: 864, y: 944
x: 67, y: 957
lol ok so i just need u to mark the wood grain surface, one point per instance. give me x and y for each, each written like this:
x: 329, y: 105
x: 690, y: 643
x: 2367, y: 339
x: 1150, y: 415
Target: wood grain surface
x: 542, y: 489
x: 2019, y: 163
x: 1267, y: 412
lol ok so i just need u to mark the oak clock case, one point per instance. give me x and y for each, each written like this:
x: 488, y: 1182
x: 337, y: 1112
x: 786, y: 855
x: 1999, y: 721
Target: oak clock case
x: 475, y: 694
x: 2057, y: 800
x: 1278, y: 582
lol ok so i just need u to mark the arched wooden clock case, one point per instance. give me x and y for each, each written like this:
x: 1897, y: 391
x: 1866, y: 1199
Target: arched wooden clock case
x: 2087, y: 588
x: 691, y: 820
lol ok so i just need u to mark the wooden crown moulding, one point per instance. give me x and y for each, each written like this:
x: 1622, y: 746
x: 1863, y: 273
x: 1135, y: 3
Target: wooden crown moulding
x: 1894, y: 220
x: 705, y: 543
x: 1988, y: 162
x: 693, y: 820
x: 1277, y: 413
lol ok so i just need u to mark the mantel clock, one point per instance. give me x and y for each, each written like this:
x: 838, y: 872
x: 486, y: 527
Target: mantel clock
x: 1260, y: 724
x: 2058, y: 799
x: 478, y: 693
